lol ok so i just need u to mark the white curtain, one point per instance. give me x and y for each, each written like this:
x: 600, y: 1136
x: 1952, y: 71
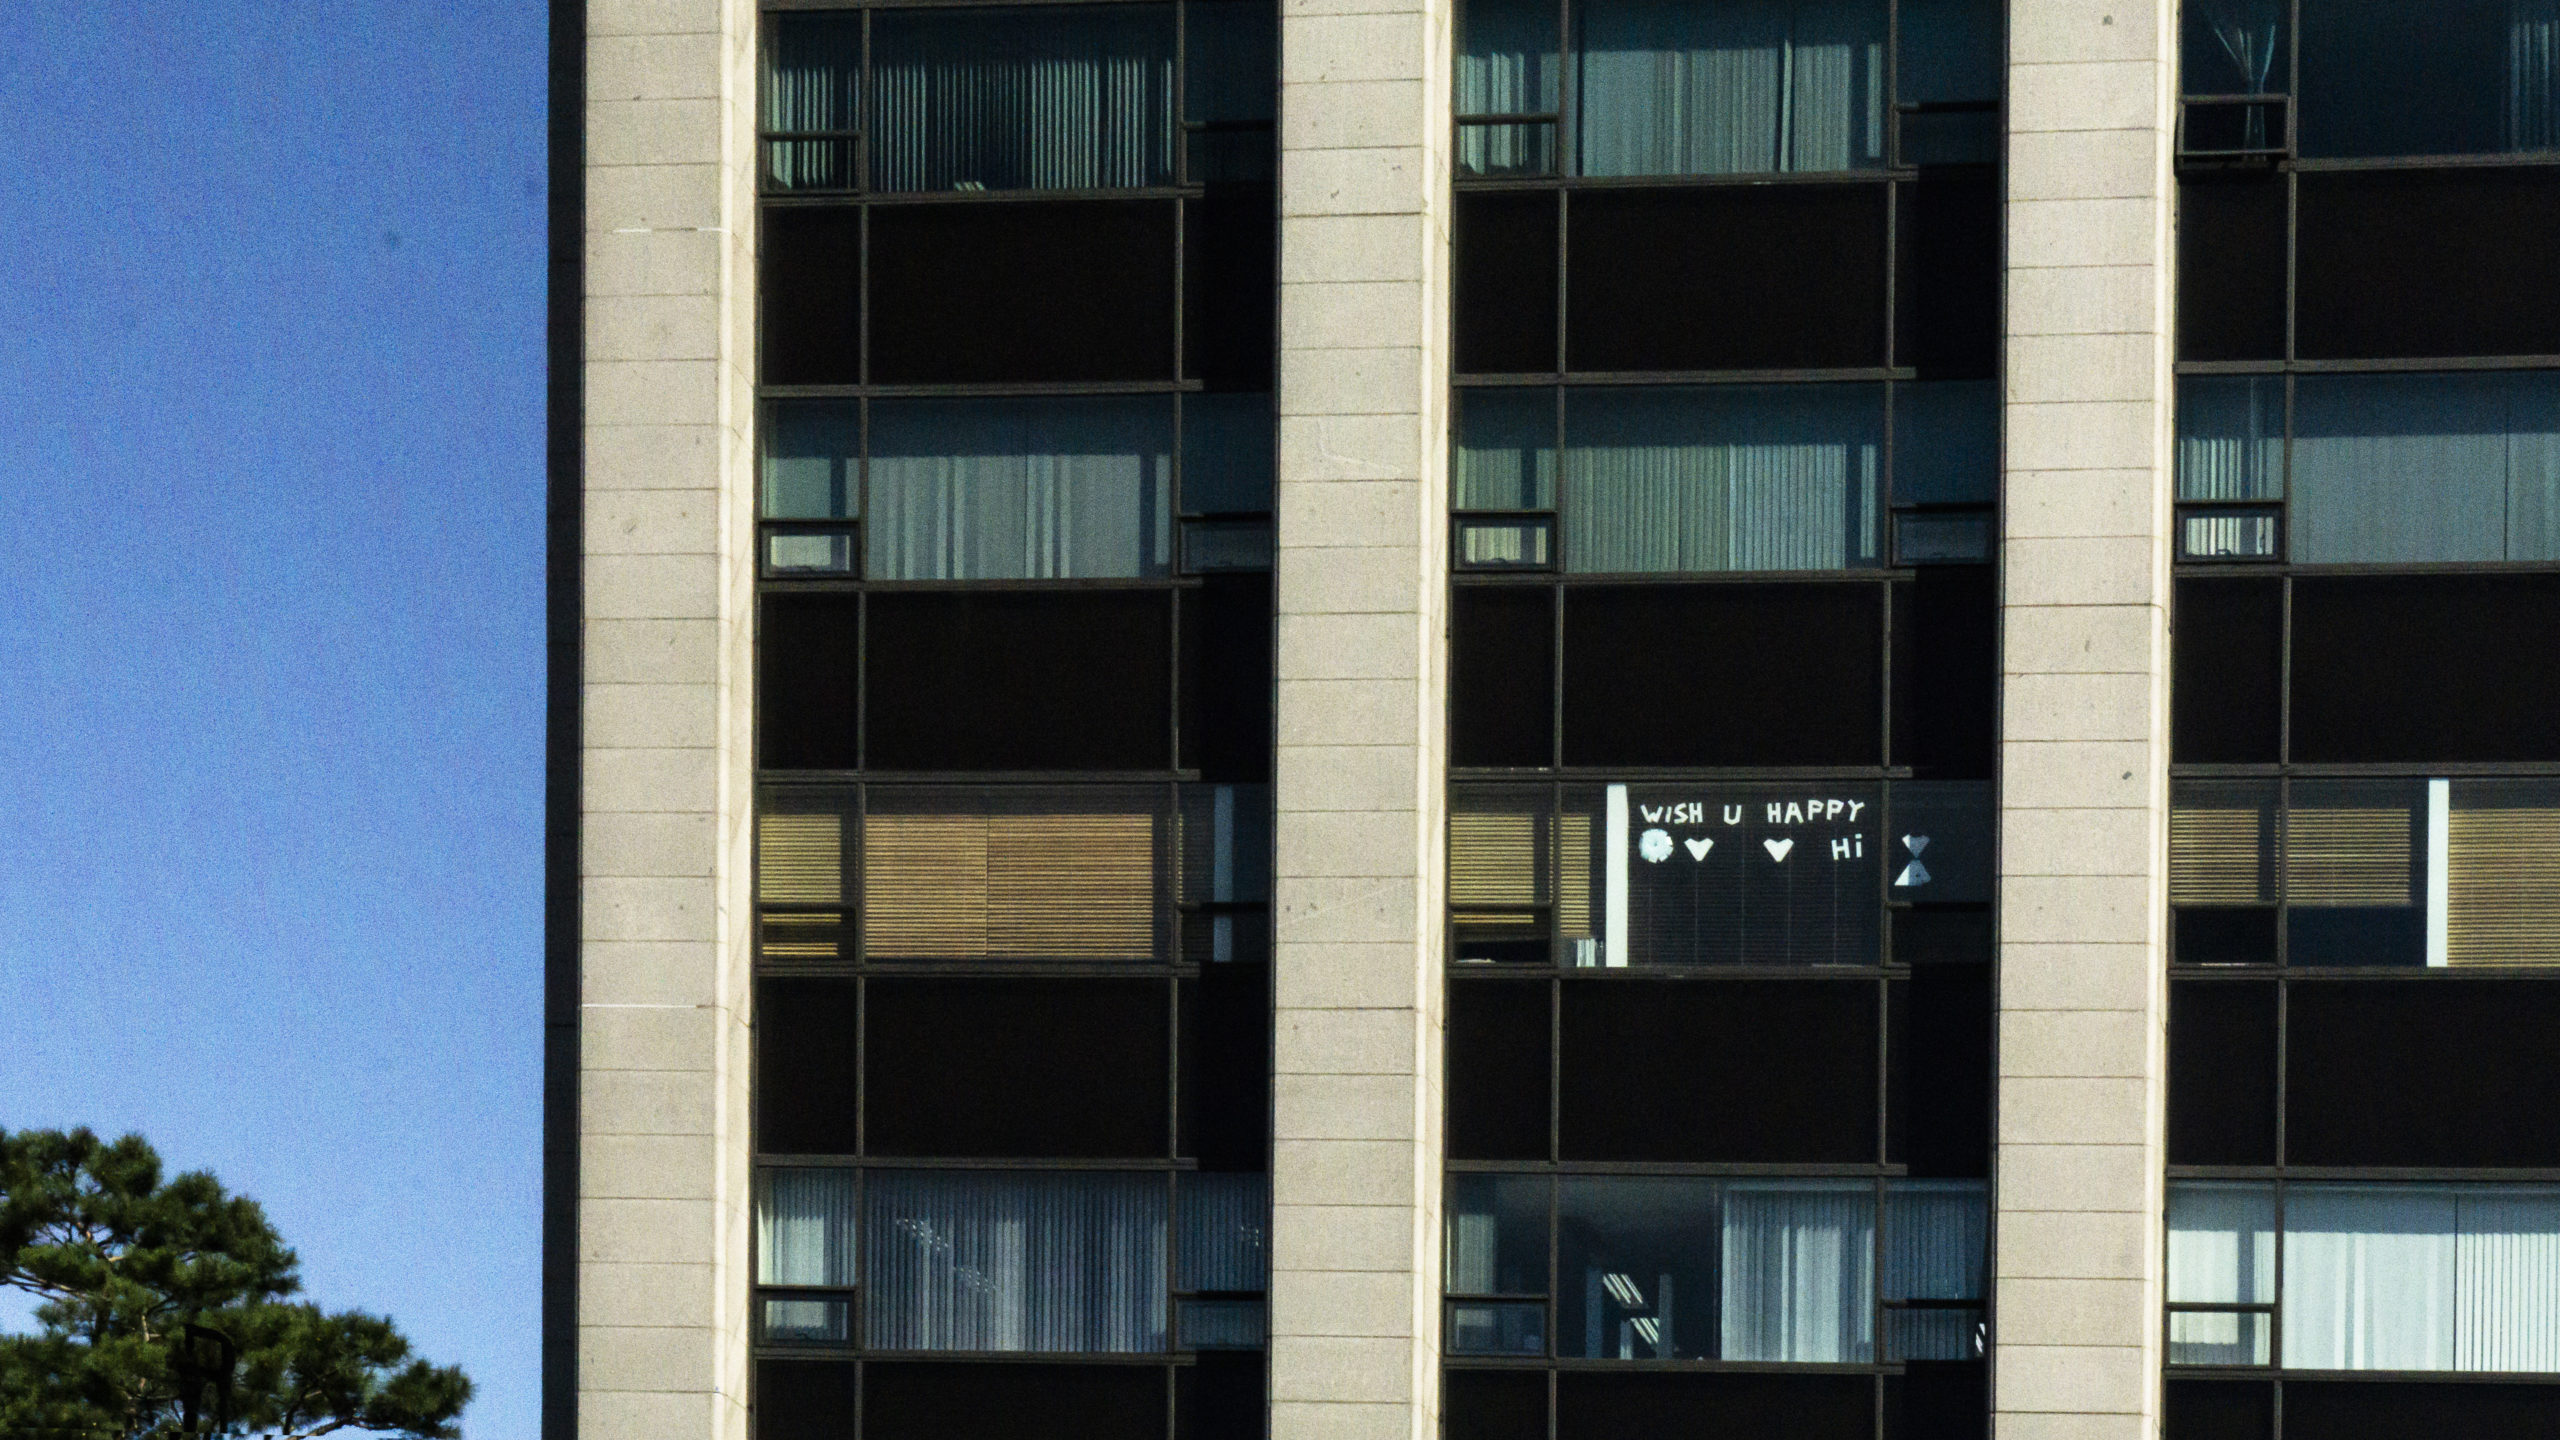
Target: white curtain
x: 805, y: 1236
x: 2370, y: 1277
x: 1014, y: 1261
x: 2222, y: 1251
x: 2420, y: 468
x: 1799, y: 1262
x: 1042, y: 489
x: 812, y: 81
x: 1704, y: 479
x: 2231, y: 437
x: 1743, y: 87
x: 1041, y: 99
x: 2508, y: 1283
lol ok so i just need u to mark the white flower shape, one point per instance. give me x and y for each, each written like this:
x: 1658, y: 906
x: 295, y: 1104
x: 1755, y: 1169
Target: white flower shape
x: 1654, y: 846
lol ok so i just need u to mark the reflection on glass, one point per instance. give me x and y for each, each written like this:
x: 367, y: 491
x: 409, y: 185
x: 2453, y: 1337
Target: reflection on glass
x: 1014, y: 1261
x: 1211, y: 547
x: 1665, y: 480
x: 1750, y: 87
x: 813, y: 460
x: 1505, y: 544
x: 2455, y: 77
x: 2235, y: 47
x: 1946, y: 443
x: 1483, y: 1327
x: 1221, y: 1324
x: 809, y: 552
x: 2228, y: 535
x: 808, y: 1321
x: 1049, y: 98
x: 1950, y: 51
x: 1506, y: 450
x: 2230, y: 437
x: 1636, y: 1264
x: 1227, y: 454
x: 1497, y: 1235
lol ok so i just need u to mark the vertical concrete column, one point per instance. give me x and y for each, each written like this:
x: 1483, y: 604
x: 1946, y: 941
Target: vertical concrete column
x: 664, y: 1192
x: 1364, y: 241
x: 2083, y: 994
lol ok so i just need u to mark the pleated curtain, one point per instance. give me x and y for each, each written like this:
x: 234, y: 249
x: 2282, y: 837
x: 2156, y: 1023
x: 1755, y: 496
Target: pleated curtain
x: 1056, y: 98
x: 812, y: 82
x: 1014, y: 1261
x: 2422, y: 1278
x: 1799, y: 1264
x: 2408, y: 469
x: 1739, y: 87
x: 1043, y: 489
x: 2533, y: 65
x: 1705, y: 479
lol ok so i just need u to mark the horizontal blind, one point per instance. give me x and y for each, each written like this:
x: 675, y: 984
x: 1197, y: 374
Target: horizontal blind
x: 2503, y: 893
x: 800, y: 859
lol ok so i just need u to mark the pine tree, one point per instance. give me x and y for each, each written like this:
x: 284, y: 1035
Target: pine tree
x: 164, y: 1311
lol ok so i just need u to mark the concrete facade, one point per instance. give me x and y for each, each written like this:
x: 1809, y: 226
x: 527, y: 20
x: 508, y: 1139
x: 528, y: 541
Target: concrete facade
x: 2085, y: 722
x: 663, y: 1204
x: 666, y: 641
x: 1361, y: 769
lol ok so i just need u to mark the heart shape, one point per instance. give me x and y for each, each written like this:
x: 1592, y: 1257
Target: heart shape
x: 1778, y: 849
x: 1698, y: 848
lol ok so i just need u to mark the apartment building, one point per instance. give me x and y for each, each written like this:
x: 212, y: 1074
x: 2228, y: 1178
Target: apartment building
x: 1554, y: 719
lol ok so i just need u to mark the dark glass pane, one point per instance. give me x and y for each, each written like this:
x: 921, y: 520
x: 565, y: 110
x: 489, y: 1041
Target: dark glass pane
x: 2236, y: 47
x: 806, y: 1399
x: 1950, y: 272
x: 2421, y: 263
x: 808, y: 682
x: 810, y: 278
x: 2421, y: 1072
x: 1229, y: 450
x: 2452, y: 77
x: 1946, y: 671
x: 1758, y: 674
x: 2227, y: 659
x: 1494, y: 1405
x: 1731, y: 1070
x: 1506, y: 283
x: 1502, y: 675
x: 1047, y: 291
x: 2399, y: 1410
x: 1597, y: 1405
x: 1226, y: 1066
x: 2231, y: 267
x: 1950, y: 51
x: 951, y: 1401
x: 1946, y: 443
x: 1027, y: 99
x: 1938, y: 1095
x: 1940, y: 841
x: 1221, y: 1397
x: 1227, y: 677
x: 2222, y: 1074
x: 1499, y: 1035
x: 1942, y: 937
x: 1016, y: 1067
x: 1938, y: 1400
x: 2212, y: 935
x: 807, y: 1084
x: 1231, y: 61
x: 2220, y: 1410
x: 996, y: 681
x: 1232, y: 286
x: 1727, y: 278
x: 2425, y: 667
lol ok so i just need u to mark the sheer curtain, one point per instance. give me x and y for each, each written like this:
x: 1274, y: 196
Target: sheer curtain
x: 2231, y: 437
x: 805, y: 1236
x: 1054, y: 98
x: 2533, y: 61
x: 2419, y: 468
x: 2508, y: 1286
x: 1222, y: 1242
x: 1799, y: 1261
x: 1014, y: 1261
x: 2222, y: 1251
x: 1042, y: 489
x: 1745, y: 87
x: 1936, y: 1247
x: 1758, y: 477
x: 812, y: 82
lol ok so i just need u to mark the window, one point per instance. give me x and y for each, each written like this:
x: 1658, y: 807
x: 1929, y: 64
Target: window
x: 1758, y: 1270
x: 1054, y: 1262
x: 2394, y: 1277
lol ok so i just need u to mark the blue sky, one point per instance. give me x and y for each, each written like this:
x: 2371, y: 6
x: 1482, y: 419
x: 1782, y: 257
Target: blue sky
x: 271, y: 672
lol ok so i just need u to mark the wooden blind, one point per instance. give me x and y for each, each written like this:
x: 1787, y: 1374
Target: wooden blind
x: 1493, y: 867
x: 2347, y: 856
x: 2214, y: 855
x: 2503, y: 891
x: 1010, y: 887
x: 800, y: 859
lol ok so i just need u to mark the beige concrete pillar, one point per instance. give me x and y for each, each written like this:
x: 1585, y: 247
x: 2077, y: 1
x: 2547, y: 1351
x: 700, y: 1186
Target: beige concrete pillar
x: 667, y: 686
x: 2085, y: 714
x: 1362, y: 587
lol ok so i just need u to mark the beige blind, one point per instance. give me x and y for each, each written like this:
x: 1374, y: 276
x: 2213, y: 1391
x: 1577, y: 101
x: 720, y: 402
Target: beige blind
x: 802, y: 937
x: 1493, y: 867
x: 800, y: 859
x: 2214, y: 855
x: 2347, y: 856
x: 1010, y: 887
x: 2503, y: 887
x: 1573, y: 894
